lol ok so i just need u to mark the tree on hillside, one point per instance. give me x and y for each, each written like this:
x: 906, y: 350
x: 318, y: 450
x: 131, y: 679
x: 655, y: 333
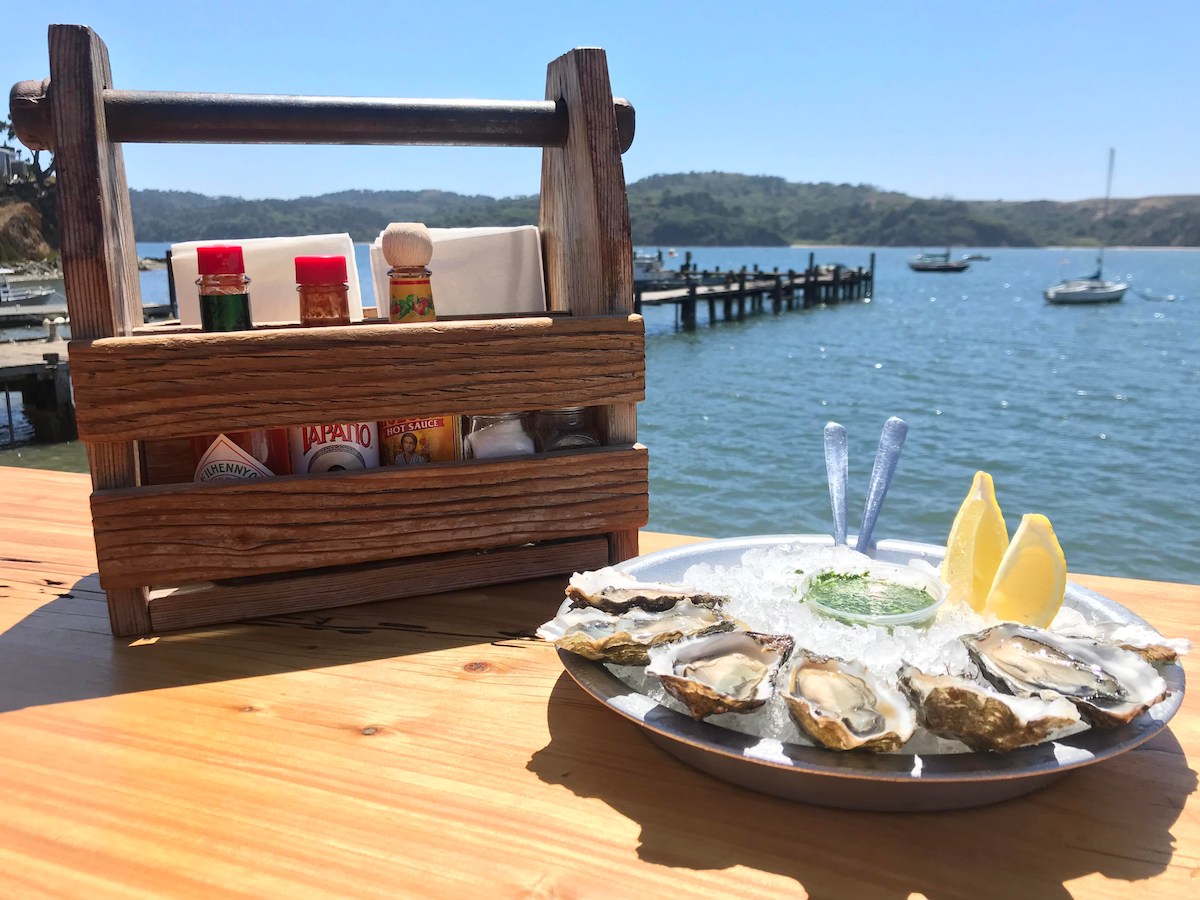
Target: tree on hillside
x: 39, y: 188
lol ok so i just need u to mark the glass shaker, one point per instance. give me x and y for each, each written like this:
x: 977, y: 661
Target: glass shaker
x: 506, y: 434
x: 565, y: 429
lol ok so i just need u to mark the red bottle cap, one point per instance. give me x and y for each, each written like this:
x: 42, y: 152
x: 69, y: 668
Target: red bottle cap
x: 320, y: 269
x: 220, y: 260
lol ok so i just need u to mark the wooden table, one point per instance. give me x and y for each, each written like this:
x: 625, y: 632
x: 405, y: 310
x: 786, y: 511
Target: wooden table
x: 433, y: 747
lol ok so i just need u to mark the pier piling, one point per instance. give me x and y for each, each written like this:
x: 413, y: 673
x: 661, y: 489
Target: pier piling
x: 747, y: 292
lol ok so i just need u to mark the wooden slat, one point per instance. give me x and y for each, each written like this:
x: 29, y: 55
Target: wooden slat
x: 175, y: 534
x: 177, y: 385
x: 227, y: 601
x: 584, y: 220
x: 98, y: 254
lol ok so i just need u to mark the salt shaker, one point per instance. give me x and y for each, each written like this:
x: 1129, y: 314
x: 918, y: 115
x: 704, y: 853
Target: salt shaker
x: 506, y: 434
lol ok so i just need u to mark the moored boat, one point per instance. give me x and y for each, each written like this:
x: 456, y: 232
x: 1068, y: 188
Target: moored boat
x: 1094, y: 288
x: 649, y: 272
x: 21, y: 296
x: 937, y: 262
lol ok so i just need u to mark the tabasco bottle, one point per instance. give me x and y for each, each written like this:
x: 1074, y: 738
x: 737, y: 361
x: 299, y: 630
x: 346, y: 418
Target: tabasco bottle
x: 225, y: 306
x: 324, y: 300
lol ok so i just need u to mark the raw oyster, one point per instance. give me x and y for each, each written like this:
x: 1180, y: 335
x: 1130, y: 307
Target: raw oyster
x: 1143, y: 640
x: 1109, y: 685
x: 733, y: 671
x: 626, y: 639
x: 842, y: 705
x: 616, y: 592
x: 983, y: 718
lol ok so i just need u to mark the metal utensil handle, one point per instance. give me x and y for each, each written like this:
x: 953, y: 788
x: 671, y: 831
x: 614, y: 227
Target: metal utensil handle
x: 837, y: 471
x: 891, y: 442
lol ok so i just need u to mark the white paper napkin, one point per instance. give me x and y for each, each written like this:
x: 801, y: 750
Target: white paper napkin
x: 477, y: 271
x: 271, y: 265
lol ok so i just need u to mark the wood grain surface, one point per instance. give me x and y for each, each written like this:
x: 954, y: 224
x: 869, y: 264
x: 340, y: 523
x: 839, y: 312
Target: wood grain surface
x: 99, y: 257
x: 584, y: 221
x: 432, y: 747
x: 173, y: 534
x: 177, y: 385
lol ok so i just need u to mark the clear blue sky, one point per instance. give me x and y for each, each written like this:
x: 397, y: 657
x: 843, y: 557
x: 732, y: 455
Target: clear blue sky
x: 1002, y: 100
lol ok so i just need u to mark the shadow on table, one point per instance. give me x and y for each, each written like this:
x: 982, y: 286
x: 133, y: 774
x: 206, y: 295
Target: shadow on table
x: 1010, y: 849
x: 64, y: 651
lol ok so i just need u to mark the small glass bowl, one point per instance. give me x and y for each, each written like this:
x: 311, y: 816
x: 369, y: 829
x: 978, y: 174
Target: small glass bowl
x: 907, y: 576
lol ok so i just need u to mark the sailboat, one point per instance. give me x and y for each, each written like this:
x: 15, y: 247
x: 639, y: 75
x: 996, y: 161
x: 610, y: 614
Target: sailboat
x: 1094, y: 288
x: 936, y: 262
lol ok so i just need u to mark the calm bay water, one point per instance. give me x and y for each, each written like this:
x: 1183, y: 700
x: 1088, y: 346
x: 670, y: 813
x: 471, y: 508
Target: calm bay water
x: 1085, y: 414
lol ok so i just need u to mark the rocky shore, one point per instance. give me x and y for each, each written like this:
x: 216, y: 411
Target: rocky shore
x: 48, y: 269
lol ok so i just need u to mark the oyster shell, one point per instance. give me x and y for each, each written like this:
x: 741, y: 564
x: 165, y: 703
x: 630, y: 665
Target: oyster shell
x: 842, y: 705
x: 626, y: 639
x: 1143, y: 640
x: 616, y: 592
x: 732, y: 671
x: 983, y: 718
x: 1109, y: 685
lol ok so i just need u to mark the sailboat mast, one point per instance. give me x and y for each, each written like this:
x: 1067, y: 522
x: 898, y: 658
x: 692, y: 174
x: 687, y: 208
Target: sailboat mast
x: 1104, y: 215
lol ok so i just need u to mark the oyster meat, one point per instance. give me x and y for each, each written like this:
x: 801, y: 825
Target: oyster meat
x: 982, y: 717
x: 842, y: 705
x: 616, y: 592
x: 733, y: 671
x: 1110, y: 685
x: 626, y: 639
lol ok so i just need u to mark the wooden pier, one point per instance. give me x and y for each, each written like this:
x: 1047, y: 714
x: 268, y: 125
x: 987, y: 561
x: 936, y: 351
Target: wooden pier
x: 745, y: 293
x: 40, y: 372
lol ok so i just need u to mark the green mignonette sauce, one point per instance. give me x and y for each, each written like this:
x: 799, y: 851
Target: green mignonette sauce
x: 861, y: 595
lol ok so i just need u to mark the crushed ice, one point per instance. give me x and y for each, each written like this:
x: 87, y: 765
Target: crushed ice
x: 764, y: 592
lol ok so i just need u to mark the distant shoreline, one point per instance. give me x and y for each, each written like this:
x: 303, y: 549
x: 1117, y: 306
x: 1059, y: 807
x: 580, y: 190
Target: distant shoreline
x: 973, y: 247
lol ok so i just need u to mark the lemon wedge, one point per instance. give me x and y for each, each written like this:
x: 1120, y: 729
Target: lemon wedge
x: 1032, y: 578
x: 978, y: 540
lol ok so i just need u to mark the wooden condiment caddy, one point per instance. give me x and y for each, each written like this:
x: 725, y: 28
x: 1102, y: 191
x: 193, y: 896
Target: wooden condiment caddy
x: 182, y: 554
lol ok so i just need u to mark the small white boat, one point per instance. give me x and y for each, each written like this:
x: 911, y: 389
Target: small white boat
x: 1094, y: 288
x: 21, y: 296
x: 648, y: 269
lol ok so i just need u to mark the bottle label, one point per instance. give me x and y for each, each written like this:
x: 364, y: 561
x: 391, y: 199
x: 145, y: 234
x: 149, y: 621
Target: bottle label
x: 410, y: 300
x: 225, y: 312
x: 416, y: 441
x: 226, y: 461
x: 334, y: 448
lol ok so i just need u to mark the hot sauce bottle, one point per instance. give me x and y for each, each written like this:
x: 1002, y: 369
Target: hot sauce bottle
x: 408, y: 248
x: 225, y: 306
x: 321, y: 281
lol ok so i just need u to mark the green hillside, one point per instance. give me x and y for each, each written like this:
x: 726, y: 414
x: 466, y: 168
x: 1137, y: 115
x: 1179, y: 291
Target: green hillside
x: 698, y: 209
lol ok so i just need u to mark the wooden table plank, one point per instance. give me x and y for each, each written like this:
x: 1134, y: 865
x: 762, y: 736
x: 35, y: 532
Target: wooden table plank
x: 431, y: 746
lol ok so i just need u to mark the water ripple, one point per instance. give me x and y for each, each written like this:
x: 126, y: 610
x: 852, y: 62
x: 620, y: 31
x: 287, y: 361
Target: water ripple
x: 1073, y: 415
